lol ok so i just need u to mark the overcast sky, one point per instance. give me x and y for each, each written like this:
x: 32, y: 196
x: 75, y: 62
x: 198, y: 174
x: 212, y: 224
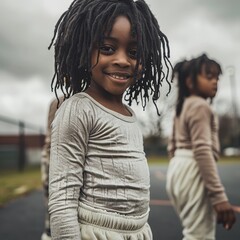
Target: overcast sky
x: 26, y: 66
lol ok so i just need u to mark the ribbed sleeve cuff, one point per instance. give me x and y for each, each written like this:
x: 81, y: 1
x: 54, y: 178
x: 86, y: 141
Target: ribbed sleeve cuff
x: 218, y: 198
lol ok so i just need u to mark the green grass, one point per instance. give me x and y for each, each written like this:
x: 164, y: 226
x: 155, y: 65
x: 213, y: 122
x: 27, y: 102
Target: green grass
x: 157, y: 160
x: 229, y: 160
x: 14, y: 184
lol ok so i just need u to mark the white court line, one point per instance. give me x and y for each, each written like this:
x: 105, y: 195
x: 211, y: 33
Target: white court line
x: 160, y: 202
x: 236, y: 208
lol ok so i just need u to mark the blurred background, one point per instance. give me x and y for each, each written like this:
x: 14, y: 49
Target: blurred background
x: 26, y: 69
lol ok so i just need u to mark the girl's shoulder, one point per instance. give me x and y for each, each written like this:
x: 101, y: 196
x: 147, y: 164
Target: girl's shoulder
x: 74, y: 107
x: 76, y: 102
x: 195, y: 102
x: 197, y: 108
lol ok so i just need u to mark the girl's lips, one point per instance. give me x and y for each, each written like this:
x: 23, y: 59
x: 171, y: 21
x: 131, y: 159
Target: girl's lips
x: 215, y: 89
x: 119, y: 76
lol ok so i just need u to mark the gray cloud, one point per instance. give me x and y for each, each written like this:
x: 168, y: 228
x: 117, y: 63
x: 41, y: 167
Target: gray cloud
x: 25, y: 35
x: 223, y: 10
x: 26, y: 28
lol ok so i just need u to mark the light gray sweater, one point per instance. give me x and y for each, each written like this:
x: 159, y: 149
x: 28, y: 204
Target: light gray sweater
x: 97, y: 158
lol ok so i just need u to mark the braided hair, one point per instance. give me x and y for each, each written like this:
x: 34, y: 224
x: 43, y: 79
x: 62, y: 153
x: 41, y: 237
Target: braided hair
x: 85, y: 23
x: 191, y: 69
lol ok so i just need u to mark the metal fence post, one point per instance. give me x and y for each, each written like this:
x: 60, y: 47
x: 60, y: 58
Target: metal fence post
x: 22, y: 148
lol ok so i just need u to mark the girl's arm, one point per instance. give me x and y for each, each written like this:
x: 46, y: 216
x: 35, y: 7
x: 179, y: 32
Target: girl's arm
x: 171, y: 142
x: 68, y: 148
x: 199, y: 127
x: 201, y: 137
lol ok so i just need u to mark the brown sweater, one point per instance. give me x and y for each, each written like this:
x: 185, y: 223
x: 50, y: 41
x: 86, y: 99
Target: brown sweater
x: 47, y: 142
x: 197, y: 129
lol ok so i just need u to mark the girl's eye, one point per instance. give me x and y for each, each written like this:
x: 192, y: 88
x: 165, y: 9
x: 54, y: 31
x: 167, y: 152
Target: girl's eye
x: 212, y: 76
x: 209, y: 76
x: 106, y: 49
x: 133, y: 53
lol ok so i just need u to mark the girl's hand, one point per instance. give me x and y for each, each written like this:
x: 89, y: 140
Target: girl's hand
x: 225, y: 215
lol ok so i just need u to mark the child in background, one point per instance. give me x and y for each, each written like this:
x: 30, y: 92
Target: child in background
x: 193, y: 182
x: 99, y: 178
x: 45, y: 164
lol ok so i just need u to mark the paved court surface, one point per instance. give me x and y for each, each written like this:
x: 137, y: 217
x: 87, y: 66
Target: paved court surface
x: 163, y: 220
x: 23, y: 219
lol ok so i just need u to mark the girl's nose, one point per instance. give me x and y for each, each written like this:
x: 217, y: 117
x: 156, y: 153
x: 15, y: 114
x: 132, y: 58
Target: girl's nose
x: 122, y: 59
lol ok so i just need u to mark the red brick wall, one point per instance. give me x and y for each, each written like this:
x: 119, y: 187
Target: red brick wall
x: 31, y: 141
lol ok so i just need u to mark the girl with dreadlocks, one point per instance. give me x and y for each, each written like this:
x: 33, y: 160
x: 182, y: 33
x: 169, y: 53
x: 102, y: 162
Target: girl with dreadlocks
x: 193, y: 183
x: 99, y: 178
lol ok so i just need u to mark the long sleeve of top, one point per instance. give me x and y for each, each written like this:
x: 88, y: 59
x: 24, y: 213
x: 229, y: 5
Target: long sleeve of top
x: 97, y: 158
x: 197, y: 129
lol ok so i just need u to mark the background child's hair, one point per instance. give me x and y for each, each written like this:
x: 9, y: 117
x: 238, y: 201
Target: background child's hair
x: 85, y: 23
x: 191, y: 69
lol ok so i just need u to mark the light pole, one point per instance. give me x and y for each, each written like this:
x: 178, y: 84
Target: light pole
x: 235, y: 127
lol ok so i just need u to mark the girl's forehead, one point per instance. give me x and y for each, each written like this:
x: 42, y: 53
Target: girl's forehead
x: 107, y: 28
x: 120, y: 26
x: 211, y: 68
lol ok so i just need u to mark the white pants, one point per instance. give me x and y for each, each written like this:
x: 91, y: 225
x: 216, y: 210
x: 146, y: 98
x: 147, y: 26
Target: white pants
x: 96, y: 224
x: 188, y: 195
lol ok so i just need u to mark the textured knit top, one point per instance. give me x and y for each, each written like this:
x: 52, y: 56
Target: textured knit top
x: 197, y: 128
x: 97, y: 158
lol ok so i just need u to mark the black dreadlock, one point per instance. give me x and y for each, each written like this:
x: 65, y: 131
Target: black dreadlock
x: 191, y: 69
x: 85, y: 23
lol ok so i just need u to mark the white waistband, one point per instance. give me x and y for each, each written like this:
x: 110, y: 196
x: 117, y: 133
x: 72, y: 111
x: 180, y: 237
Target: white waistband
x: 184, y: 152
x: 102, y: 218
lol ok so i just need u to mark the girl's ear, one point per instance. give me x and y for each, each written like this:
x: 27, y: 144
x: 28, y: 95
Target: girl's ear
x: 189, y: 83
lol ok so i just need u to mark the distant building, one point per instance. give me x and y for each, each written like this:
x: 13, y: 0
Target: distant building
x: 16, y: 148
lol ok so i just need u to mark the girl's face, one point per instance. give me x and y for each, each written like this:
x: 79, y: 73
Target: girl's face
x: 207, y: 82
x: 113, y: 69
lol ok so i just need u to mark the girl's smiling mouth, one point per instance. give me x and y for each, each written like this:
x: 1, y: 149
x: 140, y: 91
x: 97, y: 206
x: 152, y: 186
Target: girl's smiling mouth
x: 119, y: 76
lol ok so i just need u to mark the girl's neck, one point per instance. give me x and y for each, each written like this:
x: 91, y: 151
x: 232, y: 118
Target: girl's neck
x: 113, y: 103
x: 197, y: 95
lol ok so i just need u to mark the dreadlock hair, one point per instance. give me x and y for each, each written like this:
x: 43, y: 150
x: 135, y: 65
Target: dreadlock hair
x: 191, y: 69
x: 85, y: 23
